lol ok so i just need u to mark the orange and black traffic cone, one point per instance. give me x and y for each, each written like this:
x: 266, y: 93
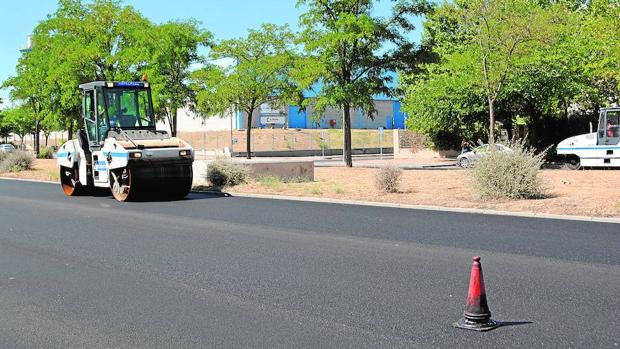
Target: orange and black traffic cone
x: 477, y: 315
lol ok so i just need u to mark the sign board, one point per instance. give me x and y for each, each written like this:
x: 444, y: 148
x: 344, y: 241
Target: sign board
x: 266, y: 108
x: 380, y: 130
x: 265, y: 120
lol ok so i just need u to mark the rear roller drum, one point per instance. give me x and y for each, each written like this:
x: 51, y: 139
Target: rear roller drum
x: 70, y: 182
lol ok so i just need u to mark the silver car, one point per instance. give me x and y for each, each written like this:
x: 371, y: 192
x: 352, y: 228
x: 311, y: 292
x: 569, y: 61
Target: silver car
x: 7, y: 148
x: 467, y: 159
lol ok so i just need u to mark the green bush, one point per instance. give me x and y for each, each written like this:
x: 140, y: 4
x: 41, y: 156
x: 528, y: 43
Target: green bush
x: 512, y: 174
x: 388, y: 179
x: 224, y: 173
x: 3, y: 155
x: 16, y: 162
x: 46, y: 153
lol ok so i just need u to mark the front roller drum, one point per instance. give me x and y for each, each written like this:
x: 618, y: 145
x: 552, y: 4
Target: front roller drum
x: 129, y: 184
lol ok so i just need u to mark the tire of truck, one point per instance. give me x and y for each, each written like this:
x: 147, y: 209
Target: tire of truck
x: 573, y: 162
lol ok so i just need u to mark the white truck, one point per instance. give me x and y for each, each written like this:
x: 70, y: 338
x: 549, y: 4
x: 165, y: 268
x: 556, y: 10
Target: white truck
x: 595, y: 149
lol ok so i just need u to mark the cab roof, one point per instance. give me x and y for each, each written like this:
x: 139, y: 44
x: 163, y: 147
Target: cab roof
x: 93, y: 84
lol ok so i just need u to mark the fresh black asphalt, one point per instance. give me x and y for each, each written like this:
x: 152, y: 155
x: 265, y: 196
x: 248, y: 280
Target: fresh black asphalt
x: 214, y: 271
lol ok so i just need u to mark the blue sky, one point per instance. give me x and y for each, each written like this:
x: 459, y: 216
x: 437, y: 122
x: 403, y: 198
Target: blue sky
x: 226, y: 19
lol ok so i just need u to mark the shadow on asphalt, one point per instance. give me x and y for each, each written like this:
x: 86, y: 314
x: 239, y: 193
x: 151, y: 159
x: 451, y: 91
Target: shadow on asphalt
x: 192, y: 196
x: 513, y: 323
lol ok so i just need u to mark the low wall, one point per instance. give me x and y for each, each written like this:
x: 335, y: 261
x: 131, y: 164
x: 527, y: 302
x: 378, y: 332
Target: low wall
x: 284, y: 170
x: 261, y: 168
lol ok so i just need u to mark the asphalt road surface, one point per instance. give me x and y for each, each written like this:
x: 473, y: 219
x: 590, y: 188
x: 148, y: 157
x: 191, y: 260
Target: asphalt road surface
x: 226, y: 272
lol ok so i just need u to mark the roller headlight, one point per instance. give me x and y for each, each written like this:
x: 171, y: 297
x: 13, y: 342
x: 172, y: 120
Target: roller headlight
x: 135, y: 155
x: 185, y: 153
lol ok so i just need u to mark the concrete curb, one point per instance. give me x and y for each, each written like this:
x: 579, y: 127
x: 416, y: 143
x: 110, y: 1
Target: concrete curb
x: 391, y: 205
x: 28, y: 180
x: 430, y: 208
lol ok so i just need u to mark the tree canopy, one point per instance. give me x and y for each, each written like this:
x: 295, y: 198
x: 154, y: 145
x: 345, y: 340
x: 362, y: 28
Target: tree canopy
x: 261, y: 73
x: 549, y: 65
x: 103, y: 40
x: 350, y: 53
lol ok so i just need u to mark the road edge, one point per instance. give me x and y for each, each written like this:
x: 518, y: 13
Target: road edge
x: 392, y: 205
x: 429, y: 208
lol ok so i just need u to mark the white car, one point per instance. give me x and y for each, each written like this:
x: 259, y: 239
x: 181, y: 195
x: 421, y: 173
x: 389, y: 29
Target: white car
x: 467, y: 159
x: 7, y: 148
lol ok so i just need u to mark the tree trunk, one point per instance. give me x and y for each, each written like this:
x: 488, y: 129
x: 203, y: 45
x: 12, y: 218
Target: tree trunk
x: 348, y: 158
x: 173, y: 125
x: 37, y: 133
x: 249, y: 136
x: 491, y: 120
x: 70, y: 131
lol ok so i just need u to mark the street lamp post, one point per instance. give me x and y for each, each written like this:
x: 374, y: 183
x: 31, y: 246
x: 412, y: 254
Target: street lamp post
x: 35, y: 144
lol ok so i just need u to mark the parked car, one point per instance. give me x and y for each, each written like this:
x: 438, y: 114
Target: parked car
x: 7, y: 148
x: 467, y: 159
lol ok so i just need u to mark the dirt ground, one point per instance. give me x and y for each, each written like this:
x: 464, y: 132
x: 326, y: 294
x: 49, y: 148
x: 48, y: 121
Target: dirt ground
x: 583, y: 193
x: 43, y: 169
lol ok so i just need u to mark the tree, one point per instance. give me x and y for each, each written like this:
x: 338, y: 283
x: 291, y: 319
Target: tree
x: 28, y: 86
x: 543, y: 82
x: 354, y: 51
x: 5, y: 129
x: 80, y: 42
x: 261, y: 74
x: 20, y: 121
x: 174, y: 49
x: 505, y: 32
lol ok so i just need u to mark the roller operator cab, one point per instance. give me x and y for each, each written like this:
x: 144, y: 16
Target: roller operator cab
x: 120, y: 148
x: 595, y: 149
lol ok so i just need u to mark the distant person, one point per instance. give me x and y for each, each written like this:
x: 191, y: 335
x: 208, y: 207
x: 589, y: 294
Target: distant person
x: 612, y: 130
x: 465, y: 146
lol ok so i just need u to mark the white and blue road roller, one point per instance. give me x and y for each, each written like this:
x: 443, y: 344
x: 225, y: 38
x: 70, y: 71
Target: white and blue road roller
x: 120, y: 148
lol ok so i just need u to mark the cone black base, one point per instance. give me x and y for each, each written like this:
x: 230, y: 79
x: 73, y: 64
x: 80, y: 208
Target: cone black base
x: 485, y: 325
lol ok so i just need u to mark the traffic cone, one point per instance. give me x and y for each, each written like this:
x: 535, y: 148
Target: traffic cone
x: 477, y: 315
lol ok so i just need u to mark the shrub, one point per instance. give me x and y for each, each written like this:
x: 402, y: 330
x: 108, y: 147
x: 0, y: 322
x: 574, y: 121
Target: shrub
x: 3, y: 155
x: 388, y: 179
x: 17, y: 161
x: 46, y: 153
x: 512, y: 174
x: 224, y: 173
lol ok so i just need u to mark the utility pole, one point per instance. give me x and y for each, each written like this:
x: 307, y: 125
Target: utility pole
x: 37, y: 130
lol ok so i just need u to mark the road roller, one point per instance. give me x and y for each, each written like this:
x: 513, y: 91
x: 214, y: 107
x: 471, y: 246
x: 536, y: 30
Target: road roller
x: 120, y: 148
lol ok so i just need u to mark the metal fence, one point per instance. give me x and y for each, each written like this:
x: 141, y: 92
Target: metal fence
x: 288, y: 141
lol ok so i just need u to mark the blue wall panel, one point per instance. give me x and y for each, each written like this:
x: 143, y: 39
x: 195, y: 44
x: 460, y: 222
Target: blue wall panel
x: 399, y: 117
x: 297, y: 117
x: 360, y: 117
